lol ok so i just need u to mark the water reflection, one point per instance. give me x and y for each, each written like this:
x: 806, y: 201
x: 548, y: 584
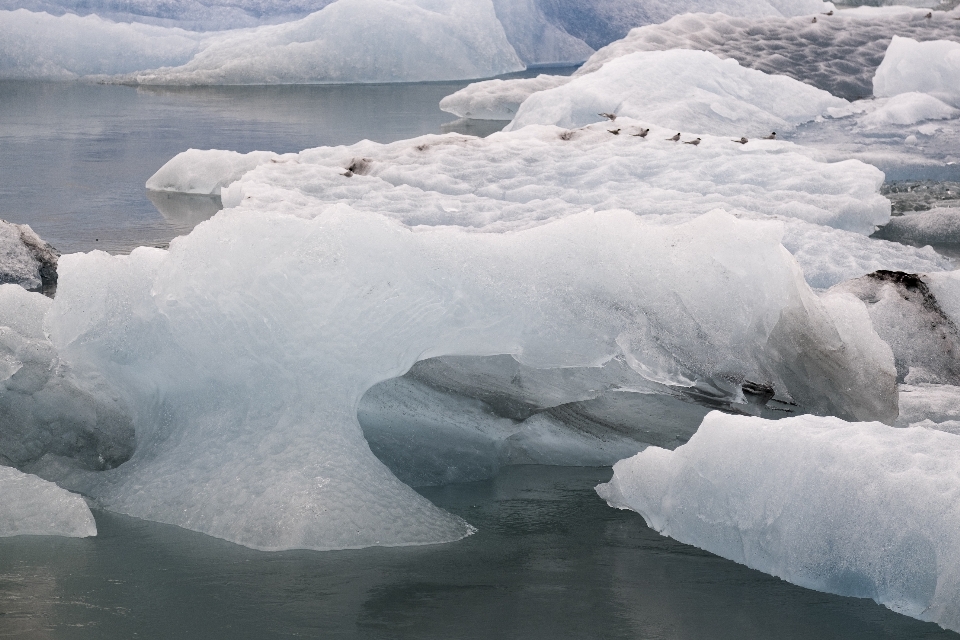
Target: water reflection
x: 550, y: 560
x: 184, y: 210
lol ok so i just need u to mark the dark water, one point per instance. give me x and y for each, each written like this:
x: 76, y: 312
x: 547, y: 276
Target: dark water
x: 74, y: 157
x: 550, y: 561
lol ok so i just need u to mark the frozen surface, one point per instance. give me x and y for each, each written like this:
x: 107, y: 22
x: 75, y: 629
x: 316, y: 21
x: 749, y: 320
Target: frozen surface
x: 537, y: 39
x: 245, y: 394
x: 683, y: 90
x: 838, y: 53
x: 497, y: 99
x: 518, y: 179
x: 35, y: 507
x: 41, y: 46
x: 933, y: 406
x: 931, y: 68
x: 858, y: 509
x: 200, y: 172
x: 348, y: 41
x: 25, y: 259
x: 46, y: 409
x: 514, y: 180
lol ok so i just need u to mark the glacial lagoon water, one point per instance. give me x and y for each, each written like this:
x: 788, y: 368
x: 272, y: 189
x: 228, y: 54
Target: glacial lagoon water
x: 549, y: 560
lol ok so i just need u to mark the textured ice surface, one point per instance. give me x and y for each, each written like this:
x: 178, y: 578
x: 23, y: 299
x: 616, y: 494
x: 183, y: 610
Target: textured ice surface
x: 245, y: 394
x: 41, y: 46
x: 517, y: 179
x: 683, y: 90
x: 934, y: 406
x: 862, y: 509
x: 203, y: 173
x: 497, y: 99
x: 45, y: 408
x: 908, y: 316
x: 521, y: 178
x: 924, y: 67
x: 25, y: 259
x: 348, y: 41
x: 35, y: 507
x: 838, y: 53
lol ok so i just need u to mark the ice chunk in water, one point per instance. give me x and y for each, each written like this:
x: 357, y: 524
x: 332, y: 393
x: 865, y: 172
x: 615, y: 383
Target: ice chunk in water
x: 34, y: 507
x: 245, y: 394
x: 685, y: 90
x: 25, y: 259
x: 497, y: 99
x: 924, y: 67
x: 858, y: 509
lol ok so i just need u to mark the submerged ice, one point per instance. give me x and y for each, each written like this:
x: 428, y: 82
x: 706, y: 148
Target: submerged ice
x: 858, y: 509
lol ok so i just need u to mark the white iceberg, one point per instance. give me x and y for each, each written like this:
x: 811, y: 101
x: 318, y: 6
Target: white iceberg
x: 497, y: 99
x: 245, y: 394
x: 347, y: 41
x: 924, y: 67
x: 684, y: 90
x: 858, y: 509
x: 34, y: 507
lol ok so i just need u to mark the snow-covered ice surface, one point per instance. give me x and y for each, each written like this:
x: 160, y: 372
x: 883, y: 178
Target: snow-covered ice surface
x: 838, y: 53
x: 858, y: 509
x: 34, y: 507
x: 517, y: 179
x: 497, y: 99
x: 245, y: 394
x: 680, y: 89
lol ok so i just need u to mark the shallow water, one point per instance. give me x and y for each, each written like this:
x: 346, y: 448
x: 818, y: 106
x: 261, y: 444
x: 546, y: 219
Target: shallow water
x: 74, y: 157
x: 550, y: 560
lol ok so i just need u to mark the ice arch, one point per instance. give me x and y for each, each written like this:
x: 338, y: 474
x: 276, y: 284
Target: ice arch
x: 244, y: 350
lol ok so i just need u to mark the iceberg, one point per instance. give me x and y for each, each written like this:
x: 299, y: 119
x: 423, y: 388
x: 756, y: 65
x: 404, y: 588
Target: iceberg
x: 682, y: 90
x: 347, y: 41
x: 35, y: 507
x: 931, y: 68
x: 48, y: 410
x: 245, y: 394
x: 857, y: 509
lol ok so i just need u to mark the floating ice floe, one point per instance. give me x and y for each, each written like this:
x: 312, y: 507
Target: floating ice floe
x: 838, y: 53
x: 862, y: 510
x: 34, y: 507
x: 680, y: 89
x: 931, y: 68
x: 46, y: 409
x: 244, y: 351
x: 523, y: 178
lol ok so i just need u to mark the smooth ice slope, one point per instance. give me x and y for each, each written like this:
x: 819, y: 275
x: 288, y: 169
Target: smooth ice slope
x: 348, y: 41
x: 685, y: 90
x: 30, y: 506
x: 44, y: 47
x: 856, y: 509
x: 245, y: 394
x: 924, y: 67
x: 497, y: 99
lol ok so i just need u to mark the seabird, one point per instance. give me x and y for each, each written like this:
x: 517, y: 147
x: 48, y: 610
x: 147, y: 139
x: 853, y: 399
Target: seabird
x: 929, y: 15
x: 643, y: 133
x: 675, y: 138
x: 615, y: 132
x: 693, y: 142
x: 828, y: 13
x: 609, y: 116
x: 741, y: 140
x: 772, y: 136
x: 814, y: 19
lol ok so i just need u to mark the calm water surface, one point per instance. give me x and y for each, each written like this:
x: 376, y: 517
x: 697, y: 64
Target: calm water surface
x: 550, y: 560
x: 74, y: 157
